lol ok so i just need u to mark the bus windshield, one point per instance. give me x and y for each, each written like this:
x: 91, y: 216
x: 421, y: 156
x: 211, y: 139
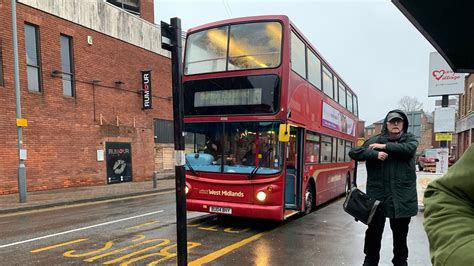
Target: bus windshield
x: 234, y: 47
x: 233, y: 147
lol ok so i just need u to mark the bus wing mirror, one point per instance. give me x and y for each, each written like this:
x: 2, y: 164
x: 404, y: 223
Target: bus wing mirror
x: 284, y: 133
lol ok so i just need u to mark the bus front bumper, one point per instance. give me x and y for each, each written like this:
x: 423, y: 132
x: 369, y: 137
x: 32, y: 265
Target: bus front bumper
x: 236, y: 209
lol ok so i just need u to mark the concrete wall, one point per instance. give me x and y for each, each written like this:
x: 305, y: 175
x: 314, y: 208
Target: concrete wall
x: 107, y: 19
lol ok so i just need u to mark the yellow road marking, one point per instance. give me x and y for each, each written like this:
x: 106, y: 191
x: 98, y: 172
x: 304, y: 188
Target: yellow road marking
x: 221, y: 252
x: 194, y: 225
x: 210, y: 228
x: 73, y: 254
x: 139, y: 237
x: 231, y: 230
x: 141, y: 225
x: 59, y: 245
x: 163, y: 241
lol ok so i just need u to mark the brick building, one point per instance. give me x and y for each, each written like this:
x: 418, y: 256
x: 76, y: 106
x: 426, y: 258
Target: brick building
x: 80, y: 65
x: 420, y: 124
x: 465, y: 123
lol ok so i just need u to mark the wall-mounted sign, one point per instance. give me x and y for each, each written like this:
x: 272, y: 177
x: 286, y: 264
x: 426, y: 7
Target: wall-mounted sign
x: 119, y: 162
x: 443, y: 137
x: 100, y: 155
x: 334, y: 119
x: 442, y: 80
x: 146, y: 90
x: 444, y: 119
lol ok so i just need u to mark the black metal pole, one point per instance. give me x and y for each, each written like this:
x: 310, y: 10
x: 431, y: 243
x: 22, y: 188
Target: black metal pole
x: 444, y: 104
x: 178, y: 114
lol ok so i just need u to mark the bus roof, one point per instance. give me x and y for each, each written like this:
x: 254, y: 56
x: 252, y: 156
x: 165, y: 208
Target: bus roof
x: 320, y: 56
x: 282, y: 18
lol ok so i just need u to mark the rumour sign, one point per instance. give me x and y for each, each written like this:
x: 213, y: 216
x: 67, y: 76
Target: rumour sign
x: 146, y: 89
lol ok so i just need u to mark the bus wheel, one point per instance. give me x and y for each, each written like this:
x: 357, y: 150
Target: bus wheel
x: 309, y: 199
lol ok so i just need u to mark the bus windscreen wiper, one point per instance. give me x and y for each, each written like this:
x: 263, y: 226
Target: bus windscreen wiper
x: 264, y: 157
x: 191, y: 168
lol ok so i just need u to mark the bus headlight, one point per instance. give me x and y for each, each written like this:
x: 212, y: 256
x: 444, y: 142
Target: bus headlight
x: 186, y: 190
x: 261, y: 196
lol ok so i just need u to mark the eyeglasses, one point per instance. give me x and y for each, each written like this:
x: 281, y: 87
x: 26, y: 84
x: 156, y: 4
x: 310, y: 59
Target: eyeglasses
x: 395, y: 121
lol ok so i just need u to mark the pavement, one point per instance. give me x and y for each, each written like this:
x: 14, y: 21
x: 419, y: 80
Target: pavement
x: 78, y: 195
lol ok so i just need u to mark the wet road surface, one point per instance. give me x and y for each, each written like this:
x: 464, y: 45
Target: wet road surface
x: 143, y: 231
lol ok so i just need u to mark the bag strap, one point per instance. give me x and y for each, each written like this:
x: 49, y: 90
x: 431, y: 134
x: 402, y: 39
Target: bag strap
x: 355, y: 172
x: 373, y: 210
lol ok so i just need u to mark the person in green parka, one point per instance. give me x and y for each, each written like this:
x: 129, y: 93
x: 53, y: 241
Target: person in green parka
x: 449, y: 214
x: 391, y: 178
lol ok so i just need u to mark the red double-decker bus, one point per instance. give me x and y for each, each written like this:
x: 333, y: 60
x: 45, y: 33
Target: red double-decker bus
x: 268, y: 123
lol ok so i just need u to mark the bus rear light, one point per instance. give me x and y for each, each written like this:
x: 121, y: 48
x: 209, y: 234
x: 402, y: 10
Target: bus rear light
x: 186, y: 190
x: 269, y: 188
x: 261, y: 196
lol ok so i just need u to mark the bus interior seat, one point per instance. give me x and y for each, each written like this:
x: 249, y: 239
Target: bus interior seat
x: 199, y: 158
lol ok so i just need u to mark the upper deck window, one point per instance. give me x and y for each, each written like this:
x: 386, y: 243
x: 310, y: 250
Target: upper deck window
x: 234, y: 47
x: 349, y: 102
x: 298, y: 55
x: 327, y: 82
x: 314, y: 69
x: 342, y: 95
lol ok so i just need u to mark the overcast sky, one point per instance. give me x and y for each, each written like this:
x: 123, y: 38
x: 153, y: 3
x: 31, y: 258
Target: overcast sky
x: 371, y: 44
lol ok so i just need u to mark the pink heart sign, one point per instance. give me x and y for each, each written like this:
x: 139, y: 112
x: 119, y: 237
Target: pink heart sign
x: 438, y: 74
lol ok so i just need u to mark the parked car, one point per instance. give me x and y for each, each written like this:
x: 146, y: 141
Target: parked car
x: 427, y: 160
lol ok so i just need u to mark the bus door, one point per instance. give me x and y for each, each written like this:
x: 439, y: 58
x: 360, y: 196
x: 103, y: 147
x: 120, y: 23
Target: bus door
x: 294, y: 167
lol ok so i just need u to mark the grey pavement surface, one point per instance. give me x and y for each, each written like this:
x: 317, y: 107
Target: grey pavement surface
x: 76, y: 195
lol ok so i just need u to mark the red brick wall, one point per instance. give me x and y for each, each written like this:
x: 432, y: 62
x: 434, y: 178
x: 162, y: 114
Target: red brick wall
x: 146, y: 10
x: 62, y: 135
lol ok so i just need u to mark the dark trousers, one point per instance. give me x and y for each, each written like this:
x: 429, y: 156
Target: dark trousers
x: 373, y: 240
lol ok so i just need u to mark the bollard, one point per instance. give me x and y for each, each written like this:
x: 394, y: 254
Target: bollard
x: 154, y: 180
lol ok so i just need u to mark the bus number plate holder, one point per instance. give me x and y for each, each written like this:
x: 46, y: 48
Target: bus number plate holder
x: 220, y: 210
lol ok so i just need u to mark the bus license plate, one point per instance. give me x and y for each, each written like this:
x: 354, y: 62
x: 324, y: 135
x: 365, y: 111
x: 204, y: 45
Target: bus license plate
x: 220, y: 210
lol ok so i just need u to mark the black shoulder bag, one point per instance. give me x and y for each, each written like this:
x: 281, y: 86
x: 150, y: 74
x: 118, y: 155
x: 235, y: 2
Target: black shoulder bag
x: 359, y: 205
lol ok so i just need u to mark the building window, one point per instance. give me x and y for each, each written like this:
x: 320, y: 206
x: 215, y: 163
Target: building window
x: 1, y: 66
x: 67, y: 65
x: 163, y: 131
x: 132, y: 6
x: 33, y: 67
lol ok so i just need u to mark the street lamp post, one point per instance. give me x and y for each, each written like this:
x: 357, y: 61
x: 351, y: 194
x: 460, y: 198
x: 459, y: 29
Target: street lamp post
x: 19, y: 120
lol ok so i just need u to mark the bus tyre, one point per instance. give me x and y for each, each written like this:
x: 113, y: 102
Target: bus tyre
x: 309, y: 199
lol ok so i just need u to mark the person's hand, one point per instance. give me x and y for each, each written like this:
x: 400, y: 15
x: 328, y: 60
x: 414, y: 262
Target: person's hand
x: 377, y: 146
x: 382, y: 156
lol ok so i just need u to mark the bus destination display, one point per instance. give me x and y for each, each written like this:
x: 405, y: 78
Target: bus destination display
x: 251, y: 96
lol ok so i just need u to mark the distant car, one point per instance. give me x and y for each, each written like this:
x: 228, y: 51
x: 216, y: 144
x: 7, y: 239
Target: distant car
x: 427, y: 160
